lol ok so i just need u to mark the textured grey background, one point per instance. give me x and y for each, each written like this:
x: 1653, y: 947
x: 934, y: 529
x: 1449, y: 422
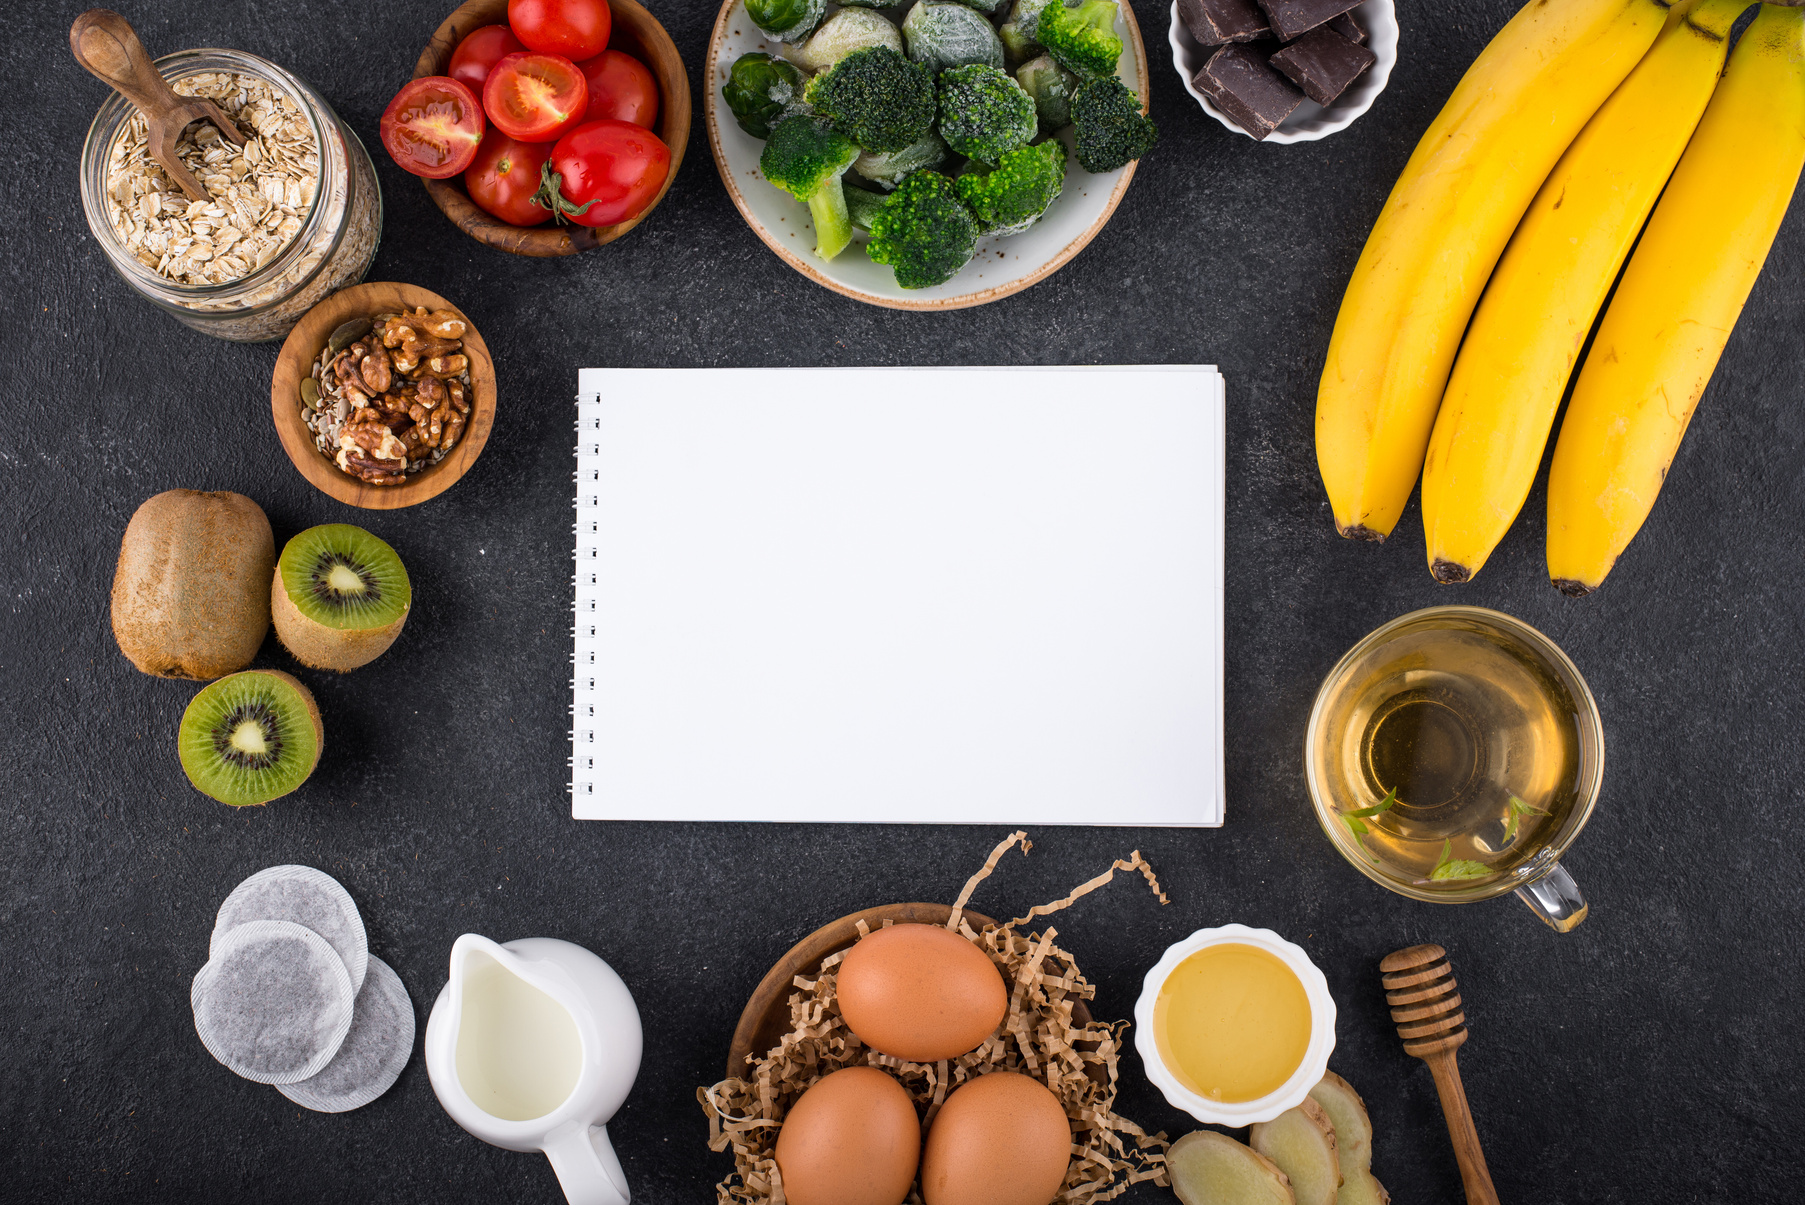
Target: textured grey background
x: 1650, y: 1056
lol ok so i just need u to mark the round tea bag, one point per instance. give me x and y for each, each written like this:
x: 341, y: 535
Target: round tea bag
x: 274, y: 1002
x: 308, y: 897
x: 377, y: 1048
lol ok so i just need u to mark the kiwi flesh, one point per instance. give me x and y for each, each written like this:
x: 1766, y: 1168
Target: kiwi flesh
x: 188, y: 593
x: 251, y: 737
x: 339, y: 598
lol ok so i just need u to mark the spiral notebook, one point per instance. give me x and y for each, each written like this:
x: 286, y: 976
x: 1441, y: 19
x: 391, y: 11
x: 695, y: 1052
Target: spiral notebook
x: 934, y: 595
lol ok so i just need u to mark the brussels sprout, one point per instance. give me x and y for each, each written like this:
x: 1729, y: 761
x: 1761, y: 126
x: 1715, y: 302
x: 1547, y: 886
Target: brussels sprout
x: 786, y: 20
x: 943, y: 34
x: 1021, y: 33
x: 760, y: 90
x: 889, y: 169
x: 1051, y: 87
x: 848, y: 30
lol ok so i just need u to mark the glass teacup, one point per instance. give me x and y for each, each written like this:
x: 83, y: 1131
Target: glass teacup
x: 1453, y: 755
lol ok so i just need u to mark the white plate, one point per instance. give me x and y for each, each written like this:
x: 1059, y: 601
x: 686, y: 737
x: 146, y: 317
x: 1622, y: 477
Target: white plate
x: 1310, y: 121
x: 1001, y: 266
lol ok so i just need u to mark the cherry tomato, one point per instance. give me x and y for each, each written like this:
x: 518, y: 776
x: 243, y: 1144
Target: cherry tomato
x: 433, y: 126
x: 609, y: 171
x: 478, y: 53
x: 536, y: 97
x: 576, y: 29
x: 505, y: 175
x: 621, y: 88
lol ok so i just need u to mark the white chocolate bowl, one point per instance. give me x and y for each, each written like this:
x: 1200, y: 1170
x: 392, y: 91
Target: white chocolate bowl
x: 1316, y: 1054
x: 1310, y: 121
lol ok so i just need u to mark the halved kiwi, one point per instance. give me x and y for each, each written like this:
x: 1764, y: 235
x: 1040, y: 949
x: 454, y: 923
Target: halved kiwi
x: 339, y: 597
x: 251, y: 737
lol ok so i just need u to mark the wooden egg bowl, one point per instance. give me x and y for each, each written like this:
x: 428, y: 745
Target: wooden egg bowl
x: 637, y: 33
x: 304, y: 345
x: 767, y: 1014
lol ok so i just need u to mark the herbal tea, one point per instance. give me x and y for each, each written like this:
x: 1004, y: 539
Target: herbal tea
x: 1450, y: 755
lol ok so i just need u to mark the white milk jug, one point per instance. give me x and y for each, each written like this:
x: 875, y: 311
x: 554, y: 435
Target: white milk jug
x: 532, y: 1046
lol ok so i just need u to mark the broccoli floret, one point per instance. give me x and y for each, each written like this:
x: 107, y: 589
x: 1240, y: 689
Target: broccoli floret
x: 1082, y: 39
x: 806, y: 158
x: 1051, y: 87
x: 1021, y: 33
x: 786, y: 20
x: 1111, y: 129
x: 924, y: 231
x: 761, y: 90
x: 942, y: 34
x: 861, y: 206
x: 889, y: 169
x: 848, y: 30
x: 881, y: 99
x: 1011, y: 198
x: 984, y: 113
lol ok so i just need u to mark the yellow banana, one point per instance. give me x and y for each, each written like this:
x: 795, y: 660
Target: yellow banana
x: 1441, y: 231
x: 1526, y: 336
x: 1678, y: 300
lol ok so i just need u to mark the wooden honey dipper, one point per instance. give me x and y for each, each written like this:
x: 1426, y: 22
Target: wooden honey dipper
x: 1419, y: 986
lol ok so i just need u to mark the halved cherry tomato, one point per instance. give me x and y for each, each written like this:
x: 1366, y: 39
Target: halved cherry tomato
x: 606, y: 172
x: 536, y: 97
x: 576, y: 29
x: 433, y: 126
x: 621, y: 88
x: 505, y: 176
x: 478, y: 53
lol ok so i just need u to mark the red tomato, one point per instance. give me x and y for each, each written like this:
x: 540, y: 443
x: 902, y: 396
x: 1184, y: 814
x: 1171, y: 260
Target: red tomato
x: 504, y: 177
x: 433, y: 126
x: 621, y: 88
x: 478, y: 53
x: 536, y: 97
x: 609, y: 171
x: 576, y: 29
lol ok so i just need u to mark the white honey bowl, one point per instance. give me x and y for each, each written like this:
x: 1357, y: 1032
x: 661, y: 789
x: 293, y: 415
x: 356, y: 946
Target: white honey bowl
x: 1316, y: 1054
x: 1310, y: 121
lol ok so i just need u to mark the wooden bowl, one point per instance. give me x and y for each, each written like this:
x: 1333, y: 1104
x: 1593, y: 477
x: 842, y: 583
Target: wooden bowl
x: 767, y: 1014
x: 636, y: 32
x: 303, y: 346
x: 1002, y: 267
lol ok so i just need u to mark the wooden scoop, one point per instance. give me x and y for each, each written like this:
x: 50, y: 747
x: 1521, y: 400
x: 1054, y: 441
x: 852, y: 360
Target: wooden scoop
x: 1419, y: 986
x: 104, y: 43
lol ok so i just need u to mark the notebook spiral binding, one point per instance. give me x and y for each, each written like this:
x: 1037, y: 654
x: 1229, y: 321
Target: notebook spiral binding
x: 582, y: 686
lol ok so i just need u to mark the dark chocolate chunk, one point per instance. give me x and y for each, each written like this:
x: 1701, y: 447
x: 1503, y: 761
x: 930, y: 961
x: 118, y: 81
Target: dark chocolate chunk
x: 1213, y: 22
x: 1349, y: 26
x: 1293, y: 18
x: 1322, y: 63
x: 1254, y: 96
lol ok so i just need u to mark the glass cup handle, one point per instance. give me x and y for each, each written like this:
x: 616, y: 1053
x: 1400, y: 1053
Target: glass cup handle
x: 1556, y: 899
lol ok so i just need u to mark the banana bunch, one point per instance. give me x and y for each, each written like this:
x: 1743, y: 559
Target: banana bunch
x: 1538, y: 175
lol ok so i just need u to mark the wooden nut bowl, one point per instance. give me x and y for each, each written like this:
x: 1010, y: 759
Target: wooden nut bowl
x: 637, y: 33
x: 304, y: 345
x: 767, y: 1014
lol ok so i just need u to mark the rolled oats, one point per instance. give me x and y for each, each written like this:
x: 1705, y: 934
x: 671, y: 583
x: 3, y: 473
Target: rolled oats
x: 262, y: 204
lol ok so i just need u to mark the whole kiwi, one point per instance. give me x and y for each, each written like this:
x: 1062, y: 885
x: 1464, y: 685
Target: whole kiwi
x: 191, y: 593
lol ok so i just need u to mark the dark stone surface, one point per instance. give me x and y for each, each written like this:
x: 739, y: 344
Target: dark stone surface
x: 1652, y: 1055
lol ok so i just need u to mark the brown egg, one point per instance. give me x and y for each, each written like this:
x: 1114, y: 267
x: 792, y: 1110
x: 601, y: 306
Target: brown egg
x: 1002, y: 1139
x: 852, y: 1139
x: 920, y: 993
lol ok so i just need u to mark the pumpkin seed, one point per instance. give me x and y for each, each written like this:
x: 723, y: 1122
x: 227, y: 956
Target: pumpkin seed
x: 310, y: 393
x: 348, y: 334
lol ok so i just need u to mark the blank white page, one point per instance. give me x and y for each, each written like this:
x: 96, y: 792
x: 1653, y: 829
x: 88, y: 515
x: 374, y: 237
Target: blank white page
x: 941, y: 596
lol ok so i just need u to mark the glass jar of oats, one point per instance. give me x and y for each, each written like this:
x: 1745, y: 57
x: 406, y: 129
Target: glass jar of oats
x: 293, y: 215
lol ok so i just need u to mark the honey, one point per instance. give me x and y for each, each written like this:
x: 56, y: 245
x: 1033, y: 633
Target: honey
x: 1232, y: 1022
